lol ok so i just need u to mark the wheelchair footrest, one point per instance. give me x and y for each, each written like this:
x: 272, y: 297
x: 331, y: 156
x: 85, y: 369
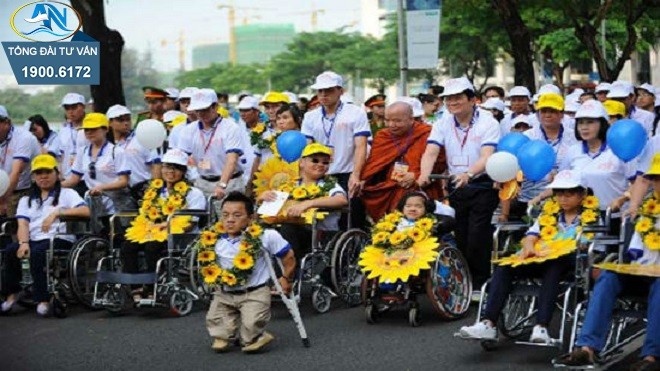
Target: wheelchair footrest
x: 553, y: 343
x: 126, y: 278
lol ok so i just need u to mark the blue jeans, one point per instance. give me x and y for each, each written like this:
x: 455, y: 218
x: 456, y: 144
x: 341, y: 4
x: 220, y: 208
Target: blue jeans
x: 599, y: 312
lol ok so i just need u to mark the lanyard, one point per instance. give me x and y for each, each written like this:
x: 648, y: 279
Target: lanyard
x: 560, y: 136
x: 585, y: 149
x: 74, y: 139
x: 475, y: 116
x: 5, y: 146
x: 98, y: 154
x: 201, y: 135
x: 328, y: 133
x: 400, y: 151
x: 128, y: 140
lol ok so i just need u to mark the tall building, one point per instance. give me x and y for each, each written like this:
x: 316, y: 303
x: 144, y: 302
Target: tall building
x: 257, y: 43
x: 205, y: 55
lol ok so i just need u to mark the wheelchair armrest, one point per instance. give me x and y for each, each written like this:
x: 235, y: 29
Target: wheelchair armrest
x: 74, y: 219
x: 595, y: 229
x: 9, y: 226
x: 511, y: 226
x: 190, y: 212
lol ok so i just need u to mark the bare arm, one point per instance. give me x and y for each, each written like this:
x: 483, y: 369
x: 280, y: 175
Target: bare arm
x: 230, y: 167
x: 71, y: 181
x: 359, y: 159
x: 428, y: 160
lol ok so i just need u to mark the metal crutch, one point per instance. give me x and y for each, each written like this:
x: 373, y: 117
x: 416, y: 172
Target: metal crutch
x: 289, y: 301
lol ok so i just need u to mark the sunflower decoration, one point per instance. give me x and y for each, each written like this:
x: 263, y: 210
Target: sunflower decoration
x: 273, y: 174
x: 646, y: 223
x: 397, y: 252
x: 262, y: 137
x: 509, y: 190
x: 635, y: 269
x: 301, y: 192
x: 242, y: 263
x: 150, y: 224
x: 552, y: 244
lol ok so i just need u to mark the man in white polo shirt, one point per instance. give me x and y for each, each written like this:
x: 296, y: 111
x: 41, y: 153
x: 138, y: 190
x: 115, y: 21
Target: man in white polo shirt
x: 519, y: 96
x: 184, y: 101
x: 624, y: 92
x: 345, y: 129
x: 469, y: 136
x: 70, y: 136
x: 215, y: 145
x: 601, y: 91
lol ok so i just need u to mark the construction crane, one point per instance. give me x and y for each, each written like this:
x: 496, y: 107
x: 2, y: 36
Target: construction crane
x: 232, y: 24
x: 180, y: 41
x: 315, y: 16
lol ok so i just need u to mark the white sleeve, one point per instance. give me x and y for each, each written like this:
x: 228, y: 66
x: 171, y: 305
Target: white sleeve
x: 195, y: 200
x: 362, y: 127
x: 121, y: 165
x: 23, y: 211
x: 184, y: 138
x: 535, y: 229
x: 25, y: 148
x: 274, y: 243
x: 70, y: 199
x: 336, y: 190
x: 491, y: 133
x: 77, y: 167
x: 307, y: 126
x: 437, y: 136
x: 233, y: 140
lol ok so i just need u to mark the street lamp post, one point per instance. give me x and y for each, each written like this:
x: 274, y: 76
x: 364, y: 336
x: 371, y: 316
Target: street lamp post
x: 403, y: 53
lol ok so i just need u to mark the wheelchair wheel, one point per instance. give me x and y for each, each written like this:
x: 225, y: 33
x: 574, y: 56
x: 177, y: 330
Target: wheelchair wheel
x: 117, y: 299
x: 181, y: 303
x: 449, y: 284
x: 345, y: 272
x: 516, y: 320
x: 57, y: 307
x: 414, y: 316
x: 83, y: 262
x: 371, y: 313
x: 321, y: 299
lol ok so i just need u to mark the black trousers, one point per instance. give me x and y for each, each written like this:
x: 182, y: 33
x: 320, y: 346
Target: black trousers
x: 152, y: 252
x: 358, y: 213
x: 474, y: 230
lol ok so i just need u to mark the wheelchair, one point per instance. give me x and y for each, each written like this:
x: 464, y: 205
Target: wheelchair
x: 176, y: 279
x: 517, y: 318
x: 629, y: 317
x: 448, y: 285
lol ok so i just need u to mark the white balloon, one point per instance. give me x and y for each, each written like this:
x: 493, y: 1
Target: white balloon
x: 4, y: 182
x: 502, y: 166
x: 150, y: 133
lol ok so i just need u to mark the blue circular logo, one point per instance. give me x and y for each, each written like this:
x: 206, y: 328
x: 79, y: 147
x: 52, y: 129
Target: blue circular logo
x: 45, y: 21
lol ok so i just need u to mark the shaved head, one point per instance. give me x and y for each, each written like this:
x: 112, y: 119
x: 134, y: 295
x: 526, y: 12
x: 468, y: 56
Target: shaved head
x: 399, y: 118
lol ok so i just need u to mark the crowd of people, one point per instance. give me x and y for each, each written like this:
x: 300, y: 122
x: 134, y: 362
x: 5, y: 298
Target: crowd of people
x: 365, y: 157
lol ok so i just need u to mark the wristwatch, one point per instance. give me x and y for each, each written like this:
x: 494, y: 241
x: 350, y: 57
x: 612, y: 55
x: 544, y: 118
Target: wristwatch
x: 470, y: 175
x: 222, y: 185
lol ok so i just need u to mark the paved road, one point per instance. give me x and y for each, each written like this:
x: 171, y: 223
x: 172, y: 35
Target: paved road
x: 341, y: 340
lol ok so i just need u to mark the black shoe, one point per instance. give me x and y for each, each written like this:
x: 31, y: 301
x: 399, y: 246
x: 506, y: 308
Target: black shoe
x: 577, y: 360
x: 645, y: 365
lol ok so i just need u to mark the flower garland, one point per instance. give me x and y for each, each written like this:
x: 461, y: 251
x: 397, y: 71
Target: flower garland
x: 154, y: 210
x: 550, y: 216
x: 263, y: 141
x: 399, y: 253
x: 301, y: 192
x: 645, y: 225
x: 243, y: 263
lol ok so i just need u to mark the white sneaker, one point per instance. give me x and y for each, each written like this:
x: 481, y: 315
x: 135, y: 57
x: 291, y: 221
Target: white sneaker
x: 480, y: 330
x: 42, y: 309
x: 476, y: 296
x: 7, y: 305
x: 540, y: 335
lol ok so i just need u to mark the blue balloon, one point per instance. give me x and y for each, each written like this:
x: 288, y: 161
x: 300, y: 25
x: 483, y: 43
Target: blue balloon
x: 626, y: 138
x: 290, y: 145
x: 512, y: 143
x: 536, y: 159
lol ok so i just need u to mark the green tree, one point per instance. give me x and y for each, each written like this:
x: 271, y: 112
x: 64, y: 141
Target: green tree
x: 227, y: 77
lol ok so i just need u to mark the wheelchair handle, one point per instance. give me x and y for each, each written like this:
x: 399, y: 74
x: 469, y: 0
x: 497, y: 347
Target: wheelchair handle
x: 440, y: 177
x: 188, y: 212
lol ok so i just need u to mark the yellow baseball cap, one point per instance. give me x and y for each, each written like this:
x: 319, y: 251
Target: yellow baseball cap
x: 315, y: 148
x: 655, y: 166
x: 550, y: 100
x: 43, y: 162
x: 95, y: 120
x: 614, y: 108
x: 274, y: 97
x: 177, y: 121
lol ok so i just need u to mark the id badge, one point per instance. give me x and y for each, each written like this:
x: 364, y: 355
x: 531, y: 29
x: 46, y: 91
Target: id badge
x: 204, y: 164
x: 459, y: 161
x: 400, y: 169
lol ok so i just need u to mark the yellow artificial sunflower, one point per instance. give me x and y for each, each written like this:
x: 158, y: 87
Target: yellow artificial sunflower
x: 548, y: 233
x: 650, y: 207
x: 652, y: 241
x: 179, y: 224
x: 551, y: 207
x: 643, y: 225
x: 159, y: 234
x: 312, y: 213
x: 150, y: 194
x: 591, y: 202
x: 425, y: 224
x: 153, y: 213
x: 211, y: 273
x: 243, y: 246
x: 206, y: 256
x: 313, y: 190
x: 255, y: 230
x: 401, y: 264
x: 243, y: 261
x: 299, y: 193
x: 589, y: 216
x: 259, y: 128
x: 547, y: 220
x: 385, y: 226
x: 208, y: 238
x: 157, y: 183
x: 397, y: 238
x: 416, y: 234
x: 219, y: 228
x: 649, y: 270
x: 546, y: 250
x: 139, y: 230
x: 286, y: 188
x: 275, y: 174
x: 168, y: 208
x: 380, y: 237
x: 392, y: 217
x: 229, y: 279
x: 181, y: 187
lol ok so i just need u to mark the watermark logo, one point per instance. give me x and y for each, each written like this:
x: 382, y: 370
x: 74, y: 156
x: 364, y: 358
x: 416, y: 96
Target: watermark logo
x: 45, y: 21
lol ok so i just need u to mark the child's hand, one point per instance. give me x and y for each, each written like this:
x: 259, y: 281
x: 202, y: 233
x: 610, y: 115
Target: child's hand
x: 528, y: 252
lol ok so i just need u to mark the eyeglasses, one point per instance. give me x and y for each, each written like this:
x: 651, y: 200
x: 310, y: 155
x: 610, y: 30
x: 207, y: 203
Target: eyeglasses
x: 318, y: 160
x: 92, y: 170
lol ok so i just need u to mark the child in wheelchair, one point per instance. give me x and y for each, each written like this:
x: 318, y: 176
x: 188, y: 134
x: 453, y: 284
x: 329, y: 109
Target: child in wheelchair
x: 38, y: 217
x: 638, y: 274
x: 561, y: 220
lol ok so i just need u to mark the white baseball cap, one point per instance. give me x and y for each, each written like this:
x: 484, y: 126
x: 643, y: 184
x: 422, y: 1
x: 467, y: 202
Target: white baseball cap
x: 520, y: 119
x: 73, y: 98
x: 170, y: 115
x: 248, y: 102
x: 571, y: 105
x: 621, y: 89
x: 292, y: 97
x: 577, y: 92
x: 346, y: 98
x: 176, y: 157
x: 535, y: 98
x: 549, y: 88
x: 592, y: 109
x: 457, y: 86
x: 566, y: 179
x: 603, y: 87
x: 327, y: 79
x: 172, y: 93
x: 116, y: 111
x: 648, y: 87
x: 414, y: 103
x: 3, y: 112
x: 187, y: 92
x: 520, y: 91
x: 202, y: 99
x: 493, y: 103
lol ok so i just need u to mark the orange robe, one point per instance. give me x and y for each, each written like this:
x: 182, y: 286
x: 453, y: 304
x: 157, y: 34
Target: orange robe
x: 381, y: 193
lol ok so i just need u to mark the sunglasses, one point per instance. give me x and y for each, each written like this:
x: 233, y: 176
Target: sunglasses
x: 43, y: 172
x: 92, y: 170
x: 318, y: 160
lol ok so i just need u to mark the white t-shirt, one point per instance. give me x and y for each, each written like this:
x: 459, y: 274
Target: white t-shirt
x: 643, y: 117
x: 195, y: 199
x: 331, y: 221
x: 603, y: 172
x: 209, y: 148
x: 273, y: 244
x: 175, y: 134
x: 266, y: 153
x: 19, y: 145
x: 35, y: 214
x: 339, y: 133
x: 51, y: 145
x: 71, y: 141
x: 646, y: 157
x: 463, y: 145
x: 649, y: 257
x: 138, y: 159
